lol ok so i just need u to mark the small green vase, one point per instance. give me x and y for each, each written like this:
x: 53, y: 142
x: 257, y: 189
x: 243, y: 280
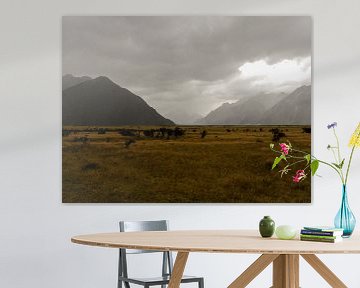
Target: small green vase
x: 267, y: 227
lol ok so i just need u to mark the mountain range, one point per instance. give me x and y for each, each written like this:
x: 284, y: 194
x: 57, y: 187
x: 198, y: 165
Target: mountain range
x: 100, y: 101
x: 265, y: 108
x: 294, y: 109
x: 69, y: 80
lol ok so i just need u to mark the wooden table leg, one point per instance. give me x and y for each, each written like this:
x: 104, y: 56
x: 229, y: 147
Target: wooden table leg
x: 253, y: 270
x: 324, y: 271
x: 178, y: 269
x: 286, y: 271
x: 293, y: 262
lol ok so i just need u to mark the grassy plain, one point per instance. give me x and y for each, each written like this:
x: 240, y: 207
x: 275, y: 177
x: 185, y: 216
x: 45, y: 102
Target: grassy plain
x: 231, y: 164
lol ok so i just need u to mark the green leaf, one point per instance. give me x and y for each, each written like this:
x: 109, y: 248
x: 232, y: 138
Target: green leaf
x: 314, y: 167
x: 308, y: 158
x: 276, y: 162
x: 342, y: 163
x: 339, y: 166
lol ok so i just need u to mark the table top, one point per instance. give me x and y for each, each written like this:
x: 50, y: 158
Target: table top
x: 217, y: 241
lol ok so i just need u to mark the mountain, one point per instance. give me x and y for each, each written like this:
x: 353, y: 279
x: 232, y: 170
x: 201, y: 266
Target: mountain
x: 69, y: 80
x: 100, y: 101
x: 294, y: 109
x: 248, y: 110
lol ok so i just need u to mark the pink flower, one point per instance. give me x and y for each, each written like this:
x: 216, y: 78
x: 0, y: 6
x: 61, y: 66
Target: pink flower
x: 284, y: 148
x: 299, y: 176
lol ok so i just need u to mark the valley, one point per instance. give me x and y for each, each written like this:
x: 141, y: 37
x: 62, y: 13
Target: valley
x: 156, y: 164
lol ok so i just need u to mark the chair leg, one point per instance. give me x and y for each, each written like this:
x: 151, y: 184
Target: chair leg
x: 201, y: 283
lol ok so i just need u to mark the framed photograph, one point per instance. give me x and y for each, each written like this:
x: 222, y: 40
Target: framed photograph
x: 183, y: 109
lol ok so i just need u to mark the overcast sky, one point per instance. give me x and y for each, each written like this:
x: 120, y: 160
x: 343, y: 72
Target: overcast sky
x: 190, y: 65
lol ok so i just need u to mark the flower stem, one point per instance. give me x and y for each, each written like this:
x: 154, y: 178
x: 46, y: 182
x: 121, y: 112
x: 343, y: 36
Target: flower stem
x: 339, y: 155
x: 292, y: 164
x: 338, y: 145
x: 337, y: 171
x: 348, y: 167
x: 350, y: 159
x: 299, y: 151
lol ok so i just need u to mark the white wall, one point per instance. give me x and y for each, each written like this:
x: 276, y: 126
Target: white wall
x: 35, y: 228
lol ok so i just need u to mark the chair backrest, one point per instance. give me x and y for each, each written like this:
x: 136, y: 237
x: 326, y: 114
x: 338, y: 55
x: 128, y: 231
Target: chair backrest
x: 138, y: 226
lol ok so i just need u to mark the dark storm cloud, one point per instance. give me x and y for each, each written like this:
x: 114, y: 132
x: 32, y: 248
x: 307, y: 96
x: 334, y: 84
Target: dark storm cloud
x: 166, y: 57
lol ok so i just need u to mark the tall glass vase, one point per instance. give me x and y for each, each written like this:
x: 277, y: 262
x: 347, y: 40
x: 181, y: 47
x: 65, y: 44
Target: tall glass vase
x: 345, y: 219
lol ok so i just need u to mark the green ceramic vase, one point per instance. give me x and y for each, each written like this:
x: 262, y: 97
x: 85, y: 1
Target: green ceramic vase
x: 267, y: 227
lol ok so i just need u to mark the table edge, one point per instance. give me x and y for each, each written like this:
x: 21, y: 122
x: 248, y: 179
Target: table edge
x: 203, y: 250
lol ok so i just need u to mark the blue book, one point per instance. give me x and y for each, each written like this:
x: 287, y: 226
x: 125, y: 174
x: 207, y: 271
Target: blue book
x: 322, y: 231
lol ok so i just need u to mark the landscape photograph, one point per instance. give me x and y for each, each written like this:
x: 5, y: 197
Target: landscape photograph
x: 184, y: 109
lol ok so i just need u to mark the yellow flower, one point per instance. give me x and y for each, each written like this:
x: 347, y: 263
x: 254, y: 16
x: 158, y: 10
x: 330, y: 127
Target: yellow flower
x: 355, y: 138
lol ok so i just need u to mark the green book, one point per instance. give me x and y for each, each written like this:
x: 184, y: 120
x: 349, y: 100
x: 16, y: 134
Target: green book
x: 319, y: 236
x: 324, y: 240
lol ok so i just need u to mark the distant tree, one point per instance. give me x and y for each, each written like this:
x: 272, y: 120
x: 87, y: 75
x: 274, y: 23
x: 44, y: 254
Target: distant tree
x: 83, y: 140
x: 274, y: 130
x: 129, y: 142
x: 170, y: 132
x: 149, y: 133
x: 203, y: 134
x: 66, y: 133
x: 90, y: 166
x: 277, y: 134
x: 306, y: 130
x: 178, y: 132
x: 127, y: 132
x: 163, y: 131
x: 102, y: 131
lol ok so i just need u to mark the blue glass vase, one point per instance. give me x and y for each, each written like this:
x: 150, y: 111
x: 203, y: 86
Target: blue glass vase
x: 345, y: 219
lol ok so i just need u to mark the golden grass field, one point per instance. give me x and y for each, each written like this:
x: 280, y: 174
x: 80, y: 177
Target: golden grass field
x: 231, y: 164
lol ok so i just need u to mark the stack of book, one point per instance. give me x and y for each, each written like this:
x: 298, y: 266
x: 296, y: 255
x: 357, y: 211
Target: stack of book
x: 321, y: 234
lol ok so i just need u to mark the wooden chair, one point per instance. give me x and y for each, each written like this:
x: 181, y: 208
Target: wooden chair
x: 167, y: 262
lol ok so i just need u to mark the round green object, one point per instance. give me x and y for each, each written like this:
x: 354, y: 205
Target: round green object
x: 285, y: 232
x: 266, y: 227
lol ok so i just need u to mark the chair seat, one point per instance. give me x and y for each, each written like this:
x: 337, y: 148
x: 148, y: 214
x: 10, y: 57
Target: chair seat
x: 158, y: 280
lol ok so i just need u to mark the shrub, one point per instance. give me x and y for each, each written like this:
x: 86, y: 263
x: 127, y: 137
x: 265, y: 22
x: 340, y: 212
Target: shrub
x: 126, y: 132
x: 306, y: 129
x: 101, y: 131
x: 128, y: 142
x: 66, y: 133
x: 83, y: 140
x: 203, y: 134
x: 90, y: 166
